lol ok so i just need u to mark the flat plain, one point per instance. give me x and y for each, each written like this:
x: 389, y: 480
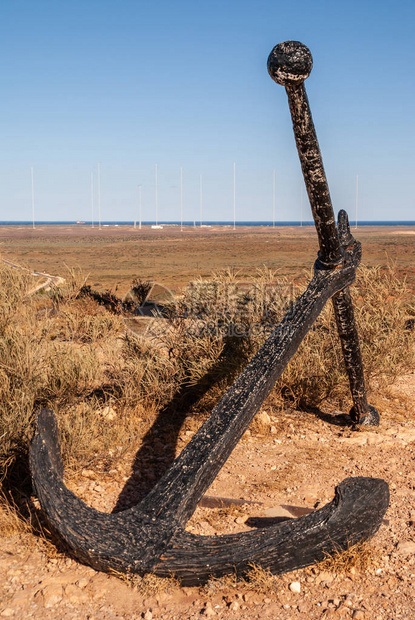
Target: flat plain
x: 113, y: 256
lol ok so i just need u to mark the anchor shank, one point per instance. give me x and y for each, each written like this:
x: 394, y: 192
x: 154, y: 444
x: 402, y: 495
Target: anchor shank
x: 289, y: 64
x: 314, y: 175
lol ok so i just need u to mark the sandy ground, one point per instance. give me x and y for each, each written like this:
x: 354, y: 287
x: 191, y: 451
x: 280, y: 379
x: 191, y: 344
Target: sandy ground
x: 294, y: 463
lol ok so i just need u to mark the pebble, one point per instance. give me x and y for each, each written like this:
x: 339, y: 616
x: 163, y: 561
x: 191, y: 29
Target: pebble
x: 406, y: 548
x: 324, y: 576
x: 148, y: 615
x: 52, y: 595
x: 7, y: 613
x: 109, y: 413
x: 208, y: 610
x: 295, y: 587
x: 88, y: 473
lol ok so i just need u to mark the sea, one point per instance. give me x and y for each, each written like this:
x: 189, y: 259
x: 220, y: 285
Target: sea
x: 204, y: 224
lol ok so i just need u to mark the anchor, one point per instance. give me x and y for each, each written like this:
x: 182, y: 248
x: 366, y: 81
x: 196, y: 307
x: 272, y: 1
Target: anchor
x: 151, y: 536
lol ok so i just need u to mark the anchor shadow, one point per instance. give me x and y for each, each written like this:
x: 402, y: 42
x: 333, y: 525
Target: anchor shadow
x: 335, y: 419
x: 158, y: 449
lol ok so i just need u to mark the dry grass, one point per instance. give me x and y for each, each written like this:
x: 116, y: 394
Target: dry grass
x: 257, y: 579
x: 149, y: 585
x: 261, y: 580
x: 382, y: 302
x: 357, y: 558
x: 217, y: 518
x: 52, y: 350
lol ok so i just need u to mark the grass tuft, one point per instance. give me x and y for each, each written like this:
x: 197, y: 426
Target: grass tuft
x: 359, y: 557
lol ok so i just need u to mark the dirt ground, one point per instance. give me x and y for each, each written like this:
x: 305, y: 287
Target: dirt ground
x: 293, y: 463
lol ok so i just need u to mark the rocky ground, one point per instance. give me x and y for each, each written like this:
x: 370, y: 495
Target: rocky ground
x: 289, y: 465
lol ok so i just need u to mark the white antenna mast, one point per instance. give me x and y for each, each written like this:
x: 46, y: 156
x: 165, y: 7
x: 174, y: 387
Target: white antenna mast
x: 357, y: 197
x: 181, y: 199
x: 234, y: 196
x: 92, y: 200
x: 33, y: 198
x: 156, y: 196
x: 99, y: 195
x: 139, y: 207
x: 201, y: 199
x: 301, y: 206
x: 273, y: 198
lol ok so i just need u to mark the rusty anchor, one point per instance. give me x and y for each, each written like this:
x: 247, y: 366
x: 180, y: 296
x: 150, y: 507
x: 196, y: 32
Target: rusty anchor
x: 151, y: 536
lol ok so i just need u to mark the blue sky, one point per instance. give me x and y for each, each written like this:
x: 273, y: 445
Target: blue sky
x: 131, y: 83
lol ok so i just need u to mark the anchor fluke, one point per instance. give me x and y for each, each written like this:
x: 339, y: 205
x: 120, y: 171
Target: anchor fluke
x: 133, y: 541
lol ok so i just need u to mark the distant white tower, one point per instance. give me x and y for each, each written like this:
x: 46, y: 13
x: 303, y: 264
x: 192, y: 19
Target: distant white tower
x: 156, y: 192
x: 201, y: 199
x: 301, y: 206
x: 357, y: 197
x: 273, y: 198
x: 139, y: 207
x: 33, y: 198
x: 234, y: 196
x: 92, y: 199
x: 181, y: 199
x: 99, y: 195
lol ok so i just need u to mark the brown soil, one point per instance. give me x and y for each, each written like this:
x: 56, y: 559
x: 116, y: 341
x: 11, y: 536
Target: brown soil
x: 293, y: 460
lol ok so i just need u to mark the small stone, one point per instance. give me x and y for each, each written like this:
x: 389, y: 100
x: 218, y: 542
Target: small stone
x: 109, y: 413
x: 295, y: 587
x: 234, y: 606
x: 148, y: 615
x: 82, y: 583
x: 358, y: 614
x: 263, y: 417
x: 240, y: 520
x: 52, y: 595
x: 406, y: 548
x: 8, y: 612
x: 88, y: 473
x: 325, y: 577
x: 208, y: 610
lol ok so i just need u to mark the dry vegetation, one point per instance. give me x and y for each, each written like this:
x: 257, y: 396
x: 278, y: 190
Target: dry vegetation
x: 64, y: 351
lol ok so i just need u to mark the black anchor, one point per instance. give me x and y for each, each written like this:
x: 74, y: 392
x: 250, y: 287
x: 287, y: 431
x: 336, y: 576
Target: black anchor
x: 151, y: 536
